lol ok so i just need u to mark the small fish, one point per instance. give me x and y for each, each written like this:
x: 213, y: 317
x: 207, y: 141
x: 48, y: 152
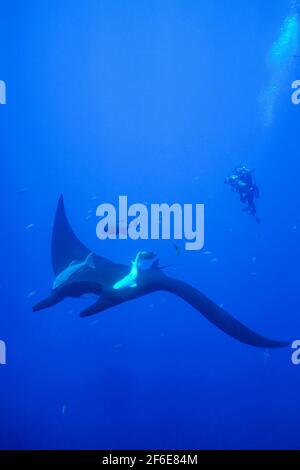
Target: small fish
x: 22, y: 190
x: 177, y: 249
x: 89, y: 217
x: 93, y: 198
x: 31, y: 294
x: 214, y: 260
x: 207, y: 252
x: 254, y: 259
x: 116, y: 229
x: 64, y: 408
x: 221, y: 305
x: 120, y: 228
x: 29, y: 226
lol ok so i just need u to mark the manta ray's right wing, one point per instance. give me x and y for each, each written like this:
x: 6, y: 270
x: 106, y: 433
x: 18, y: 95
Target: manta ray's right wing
x: 218, y: 316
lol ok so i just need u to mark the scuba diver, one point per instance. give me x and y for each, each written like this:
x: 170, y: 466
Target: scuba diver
x: 241, y: 181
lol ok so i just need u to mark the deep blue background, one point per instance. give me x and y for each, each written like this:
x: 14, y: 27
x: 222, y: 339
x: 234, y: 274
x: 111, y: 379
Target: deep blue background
x: 158, y: 100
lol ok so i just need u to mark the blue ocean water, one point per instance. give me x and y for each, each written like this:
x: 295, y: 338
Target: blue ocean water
x: 158, y: 100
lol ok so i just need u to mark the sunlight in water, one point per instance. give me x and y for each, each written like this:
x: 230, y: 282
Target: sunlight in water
x: 286, y: 45
x: 280, y: 61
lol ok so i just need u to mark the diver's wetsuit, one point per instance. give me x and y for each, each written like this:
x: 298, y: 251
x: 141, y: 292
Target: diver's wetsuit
x: 242, y: 182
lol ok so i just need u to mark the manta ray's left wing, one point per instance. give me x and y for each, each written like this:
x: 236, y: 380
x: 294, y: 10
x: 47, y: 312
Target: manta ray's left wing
x: 66, y: 247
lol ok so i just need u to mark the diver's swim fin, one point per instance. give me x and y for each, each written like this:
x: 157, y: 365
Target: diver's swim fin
x: 218, y: 316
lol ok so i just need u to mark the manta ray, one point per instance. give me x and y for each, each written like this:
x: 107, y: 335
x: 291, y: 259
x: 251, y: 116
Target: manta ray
x: 78, y: 277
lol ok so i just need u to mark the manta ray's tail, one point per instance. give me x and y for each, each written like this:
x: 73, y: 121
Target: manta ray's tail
x: 218, y: 316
